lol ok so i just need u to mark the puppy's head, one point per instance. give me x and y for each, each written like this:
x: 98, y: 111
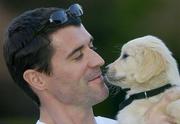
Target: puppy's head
x: 141, y: 60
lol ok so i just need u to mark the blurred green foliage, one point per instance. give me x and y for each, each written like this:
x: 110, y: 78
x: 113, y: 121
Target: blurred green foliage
x: 17, y: 120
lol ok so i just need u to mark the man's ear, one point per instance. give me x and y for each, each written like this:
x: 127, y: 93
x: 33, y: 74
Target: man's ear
x: 151, y: 64
x: 34, y: 79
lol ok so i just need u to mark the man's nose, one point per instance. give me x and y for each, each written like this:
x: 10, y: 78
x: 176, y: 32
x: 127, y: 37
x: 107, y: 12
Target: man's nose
x: 96, y: 60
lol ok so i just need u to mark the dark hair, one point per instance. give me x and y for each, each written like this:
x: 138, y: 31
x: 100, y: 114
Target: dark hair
x: 23, y: 51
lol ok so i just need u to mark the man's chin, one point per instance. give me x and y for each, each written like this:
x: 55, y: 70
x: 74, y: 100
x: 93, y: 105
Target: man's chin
x: 102, y: 95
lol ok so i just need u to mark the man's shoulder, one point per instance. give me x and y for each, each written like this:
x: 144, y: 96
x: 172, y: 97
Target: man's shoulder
x: 38, y: 122
x: 99, y: 120
x: 104, y: 120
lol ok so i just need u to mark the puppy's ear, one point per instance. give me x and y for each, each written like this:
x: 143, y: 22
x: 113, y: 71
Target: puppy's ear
x: 151, y: 64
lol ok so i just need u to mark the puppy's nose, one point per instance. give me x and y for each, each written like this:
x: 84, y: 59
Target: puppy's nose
x: 107, y: 67
x: 104, y: 70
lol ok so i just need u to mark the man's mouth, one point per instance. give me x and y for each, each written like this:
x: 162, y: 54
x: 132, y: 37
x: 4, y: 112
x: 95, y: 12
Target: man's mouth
x: 95, y: 77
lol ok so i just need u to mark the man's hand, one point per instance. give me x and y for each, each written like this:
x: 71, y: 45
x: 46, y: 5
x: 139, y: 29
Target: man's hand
x: 157, y: 113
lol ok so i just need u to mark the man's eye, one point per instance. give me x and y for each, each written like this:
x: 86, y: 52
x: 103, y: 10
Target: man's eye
x: 79, y: 57
x: 93, y: 48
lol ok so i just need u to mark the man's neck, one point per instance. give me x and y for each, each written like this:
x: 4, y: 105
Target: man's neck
x: 55, y: 112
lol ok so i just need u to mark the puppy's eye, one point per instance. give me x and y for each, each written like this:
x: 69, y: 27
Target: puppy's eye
x: 124, y: 56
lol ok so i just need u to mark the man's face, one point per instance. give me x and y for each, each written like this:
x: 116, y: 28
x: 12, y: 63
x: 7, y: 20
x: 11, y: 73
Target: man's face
x: 76, y: 76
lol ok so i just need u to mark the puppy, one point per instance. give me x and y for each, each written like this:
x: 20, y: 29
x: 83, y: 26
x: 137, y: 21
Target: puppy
x: 147, y: 68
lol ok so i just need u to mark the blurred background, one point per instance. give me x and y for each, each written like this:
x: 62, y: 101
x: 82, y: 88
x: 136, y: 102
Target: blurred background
x: 112, y: 23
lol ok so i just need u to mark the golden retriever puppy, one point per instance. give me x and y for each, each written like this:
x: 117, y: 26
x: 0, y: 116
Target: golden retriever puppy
x: 147, y: 68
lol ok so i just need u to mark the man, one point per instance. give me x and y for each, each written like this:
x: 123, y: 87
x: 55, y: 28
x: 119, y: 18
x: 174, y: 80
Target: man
x: 50, y: 56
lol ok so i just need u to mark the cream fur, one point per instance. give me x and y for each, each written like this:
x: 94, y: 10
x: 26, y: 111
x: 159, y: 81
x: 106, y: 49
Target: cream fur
x: 145, y: 63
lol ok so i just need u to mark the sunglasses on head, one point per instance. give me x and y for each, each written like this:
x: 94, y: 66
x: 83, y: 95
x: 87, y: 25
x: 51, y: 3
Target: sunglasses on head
x: 60, y: 17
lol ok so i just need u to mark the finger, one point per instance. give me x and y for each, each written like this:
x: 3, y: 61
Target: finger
x: 170, y: 119
x: 167, y: 123
x: 164, y: 119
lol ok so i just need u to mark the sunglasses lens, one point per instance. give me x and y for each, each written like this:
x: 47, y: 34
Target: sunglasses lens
x: 59, y: 17
x: 76, y: 10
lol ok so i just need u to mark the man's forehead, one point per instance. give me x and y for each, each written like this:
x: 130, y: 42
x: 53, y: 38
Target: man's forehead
x: 70, y: 34
x: 69, y: 38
